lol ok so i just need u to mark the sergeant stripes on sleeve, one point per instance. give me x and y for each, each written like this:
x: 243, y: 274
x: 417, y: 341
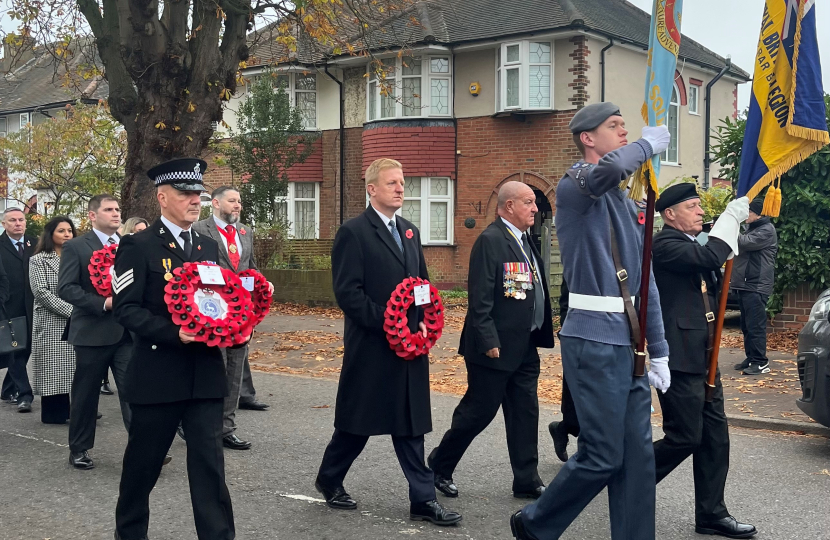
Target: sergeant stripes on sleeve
x: 119, y: 283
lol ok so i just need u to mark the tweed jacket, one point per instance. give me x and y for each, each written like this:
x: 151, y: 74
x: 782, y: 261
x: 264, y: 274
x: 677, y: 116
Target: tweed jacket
x: 52, y: 360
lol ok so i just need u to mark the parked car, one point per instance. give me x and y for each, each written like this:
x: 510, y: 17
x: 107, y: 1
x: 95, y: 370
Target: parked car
x: 814, y: 362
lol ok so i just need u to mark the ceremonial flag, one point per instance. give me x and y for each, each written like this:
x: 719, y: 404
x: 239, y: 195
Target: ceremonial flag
x: 663, y: 46
x: 786, y: 122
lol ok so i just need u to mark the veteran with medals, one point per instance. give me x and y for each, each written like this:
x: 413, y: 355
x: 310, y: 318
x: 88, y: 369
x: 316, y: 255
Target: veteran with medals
x: 508, y: 317
x: 689, y: 279
x: 171, y: 378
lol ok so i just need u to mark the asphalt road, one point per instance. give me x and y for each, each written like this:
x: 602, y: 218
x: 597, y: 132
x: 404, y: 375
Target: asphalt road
x: 776, y: 480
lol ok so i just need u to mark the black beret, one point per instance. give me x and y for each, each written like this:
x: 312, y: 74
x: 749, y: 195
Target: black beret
x: 590, y: 117
x: 757, y: 205
x: 676, y: 194
x: 184, y: 174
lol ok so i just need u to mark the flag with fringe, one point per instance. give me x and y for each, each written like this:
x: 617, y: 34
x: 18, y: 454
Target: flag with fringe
x: 786, y: 123
x: 663, y: 47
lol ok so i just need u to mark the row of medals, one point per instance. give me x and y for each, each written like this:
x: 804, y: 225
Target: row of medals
x: 516, y: 285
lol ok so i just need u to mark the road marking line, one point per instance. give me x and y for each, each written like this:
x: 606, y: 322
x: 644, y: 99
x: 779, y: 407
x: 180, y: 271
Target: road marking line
x: 29, y: 437
x: 301, y: 497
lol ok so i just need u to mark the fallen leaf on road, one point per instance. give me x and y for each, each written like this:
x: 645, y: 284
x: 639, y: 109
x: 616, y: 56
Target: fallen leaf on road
x: 321, y: 407
x: 824, y: 472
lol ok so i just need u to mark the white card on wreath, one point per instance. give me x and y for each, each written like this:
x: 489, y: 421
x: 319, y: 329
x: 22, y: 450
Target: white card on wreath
x: 248, y: 283
x: 211, y: 275
x: 421, y: 295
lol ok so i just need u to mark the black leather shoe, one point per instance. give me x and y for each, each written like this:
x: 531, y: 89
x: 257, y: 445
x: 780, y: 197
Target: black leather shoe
x: 336, y: 498
x: 728, y: 527
x: 433, y: 512
x: 11, y: 399
x: 254, y: 405
x: 105, y: 389
x: 81, y: 460
x: 445, y: 485
x: 534, y: 493
x: 235, y: 443
x: 98, y: 416
x: 517, y: 527
x: 167, y: 459
x: 25, y: 406
x: 560, y: 440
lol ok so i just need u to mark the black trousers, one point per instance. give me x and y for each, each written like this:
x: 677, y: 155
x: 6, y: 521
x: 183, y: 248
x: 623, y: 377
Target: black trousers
x: 17, y: 378
x: 151, y: 432
x: 569, y: 423
x: 54, y: 409
x: 91, y: 365
x: 345, y: 447
x: 487, y: 389
x: 695, y: 428
x: 754, y: 325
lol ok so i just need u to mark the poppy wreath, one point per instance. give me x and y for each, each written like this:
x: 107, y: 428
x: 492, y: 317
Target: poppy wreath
x: 406, y: 344
x: 227, y: 329
x: 261, y: 296
x: 100, y: 266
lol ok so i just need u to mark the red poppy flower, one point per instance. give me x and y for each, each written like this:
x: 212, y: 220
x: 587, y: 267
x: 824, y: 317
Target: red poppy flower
x: 409, y: 233
x: 641, y: 218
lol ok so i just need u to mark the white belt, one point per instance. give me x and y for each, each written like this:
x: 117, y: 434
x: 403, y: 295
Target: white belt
x: 607, y: 304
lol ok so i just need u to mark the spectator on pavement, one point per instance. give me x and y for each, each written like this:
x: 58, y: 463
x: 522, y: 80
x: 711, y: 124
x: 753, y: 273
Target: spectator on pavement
x: 753, y: 277
x: 53, y: 360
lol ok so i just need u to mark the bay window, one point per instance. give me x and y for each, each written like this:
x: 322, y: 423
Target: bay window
x: 524, y: 76
x: 414, y: 86
x: 428, y: 203
x: 301, y: 89
x: 299, y: 210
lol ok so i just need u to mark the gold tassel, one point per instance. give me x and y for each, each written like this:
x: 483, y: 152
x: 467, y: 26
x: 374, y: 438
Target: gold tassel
x: 768, y: 201
x: 776, y: 206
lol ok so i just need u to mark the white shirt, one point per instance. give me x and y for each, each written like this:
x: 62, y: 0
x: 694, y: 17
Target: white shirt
x: 104, y: 238
x: 175, y: 230
x: 224, y: 226
x: 386, y: 219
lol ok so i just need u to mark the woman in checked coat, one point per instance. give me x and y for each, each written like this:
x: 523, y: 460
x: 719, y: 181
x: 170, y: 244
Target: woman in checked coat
x: 52, y: 360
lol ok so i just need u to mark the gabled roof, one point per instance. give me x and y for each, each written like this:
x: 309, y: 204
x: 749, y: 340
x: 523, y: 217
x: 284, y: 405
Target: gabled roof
x: 42, y: 81
x: 454, y: 22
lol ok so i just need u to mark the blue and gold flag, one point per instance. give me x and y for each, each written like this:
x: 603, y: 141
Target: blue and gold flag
x: 786, y: 122
x: 663, y: 47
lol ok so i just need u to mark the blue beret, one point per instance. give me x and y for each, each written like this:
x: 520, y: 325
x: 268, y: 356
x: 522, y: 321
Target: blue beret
x: 590, y: 117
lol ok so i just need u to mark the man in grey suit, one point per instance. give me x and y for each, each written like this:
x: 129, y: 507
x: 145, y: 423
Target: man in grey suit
x: 236, y: 253
x: 100, y: 342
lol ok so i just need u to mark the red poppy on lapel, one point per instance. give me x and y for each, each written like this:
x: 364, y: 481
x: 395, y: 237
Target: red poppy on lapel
x: 409, y: 233
x: 172, y: 245
x: 241, y: 231
x: 199, y: 248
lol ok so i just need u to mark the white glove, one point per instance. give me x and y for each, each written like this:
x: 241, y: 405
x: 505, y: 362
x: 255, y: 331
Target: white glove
x: 728, y: 225
x: 658, y: 137
x: 658, y: 373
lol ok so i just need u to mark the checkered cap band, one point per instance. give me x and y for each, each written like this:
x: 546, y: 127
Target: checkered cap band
x: 174, y: 176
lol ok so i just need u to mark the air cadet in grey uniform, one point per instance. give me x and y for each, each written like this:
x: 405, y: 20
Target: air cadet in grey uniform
x: 613, y: 405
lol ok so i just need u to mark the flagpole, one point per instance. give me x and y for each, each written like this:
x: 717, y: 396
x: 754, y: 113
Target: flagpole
x: 645, y: 268
x: 713, y: 359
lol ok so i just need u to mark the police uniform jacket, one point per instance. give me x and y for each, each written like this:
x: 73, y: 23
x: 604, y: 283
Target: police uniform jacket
x: 494, y: 320
x: 162, y: 368
x: 379, y: 393
x: 680, y: 265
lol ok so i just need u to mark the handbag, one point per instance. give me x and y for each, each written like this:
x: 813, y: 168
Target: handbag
x: 14, y: 334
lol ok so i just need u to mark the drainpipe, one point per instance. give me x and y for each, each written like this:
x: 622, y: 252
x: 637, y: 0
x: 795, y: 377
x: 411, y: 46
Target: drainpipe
x: 602, y: 64
x: 342, y: 144
x: 706, y: 134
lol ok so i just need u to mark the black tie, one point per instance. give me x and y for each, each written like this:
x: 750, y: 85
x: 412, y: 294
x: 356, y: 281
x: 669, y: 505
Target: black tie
x: 188, y: 247
x: 20, y: 249
x: 110, y: 241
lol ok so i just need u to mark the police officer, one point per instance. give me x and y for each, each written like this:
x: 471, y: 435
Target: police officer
x: 170, y: 377
x: 688, y: 277
x: 602, y: 243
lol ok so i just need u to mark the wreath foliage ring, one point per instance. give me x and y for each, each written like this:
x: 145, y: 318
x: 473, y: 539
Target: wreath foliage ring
x: 100, y: 269
x: 396, y: 324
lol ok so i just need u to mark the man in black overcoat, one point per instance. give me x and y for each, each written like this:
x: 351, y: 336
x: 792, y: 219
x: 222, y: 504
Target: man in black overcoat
x: 171, y: 378
x: 688, y: 278
x: 379, y: 393
x: 508, y: 317
x: 15, y: 249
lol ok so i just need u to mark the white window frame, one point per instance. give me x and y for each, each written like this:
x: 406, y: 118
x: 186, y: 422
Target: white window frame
x: 292, y: 91
x: 426, y: 199
x: 291, y: 198
x: 694, y: 90
x: 664, y: 157
x: 523, y: 65
x: 25, y: 118
x: 395, y: 77
x: 4, y: 126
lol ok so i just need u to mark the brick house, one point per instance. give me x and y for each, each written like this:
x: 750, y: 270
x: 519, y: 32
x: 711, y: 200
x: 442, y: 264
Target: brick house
x: 481, y: 100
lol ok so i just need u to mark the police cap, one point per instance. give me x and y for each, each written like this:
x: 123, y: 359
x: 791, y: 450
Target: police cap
x: 590, y: 117
x: 676, y: 194
x: 184, y: 174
